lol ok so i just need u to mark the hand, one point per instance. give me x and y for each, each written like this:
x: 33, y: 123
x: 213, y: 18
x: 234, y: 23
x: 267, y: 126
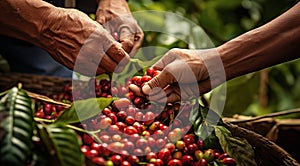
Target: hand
x: 116, y: 17
x: 79, y: 43
x: 185, y: 74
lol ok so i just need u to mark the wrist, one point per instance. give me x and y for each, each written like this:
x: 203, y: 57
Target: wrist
x: 214, y: 66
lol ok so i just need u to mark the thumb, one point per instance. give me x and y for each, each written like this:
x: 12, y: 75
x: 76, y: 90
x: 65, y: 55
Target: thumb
x: 161, y: 81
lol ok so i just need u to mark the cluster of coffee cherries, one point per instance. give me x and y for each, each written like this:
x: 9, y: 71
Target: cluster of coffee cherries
x: 125, y: 140
x: 133, y: 131
x: 79, y: 90
x: 49, y: 111
x: 139, y: 81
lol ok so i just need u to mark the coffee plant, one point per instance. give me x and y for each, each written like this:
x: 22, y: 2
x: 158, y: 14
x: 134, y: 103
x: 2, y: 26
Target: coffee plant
x: 116, y: 127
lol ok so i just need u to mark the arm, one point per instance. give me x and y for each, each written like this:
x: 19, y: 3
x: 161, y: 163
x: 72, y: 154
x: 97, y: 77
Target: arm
x: 276, y: 42
x: 62, y: 33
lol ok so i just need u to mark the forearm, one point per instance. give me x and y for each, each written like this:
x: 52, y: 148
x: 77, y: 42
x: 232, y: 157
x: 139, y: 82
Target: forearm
x: 274, y: 43
x: 54, y: 29
x: 23, y: 19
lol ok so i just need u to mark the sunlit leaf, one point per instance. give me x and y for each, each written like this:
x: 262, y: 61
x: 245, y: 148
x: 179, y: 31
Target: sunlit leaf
x: 83, y: 109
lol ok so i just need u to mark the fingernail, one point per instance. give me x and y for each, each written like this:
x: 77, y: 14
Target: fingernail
x: 146, y: 89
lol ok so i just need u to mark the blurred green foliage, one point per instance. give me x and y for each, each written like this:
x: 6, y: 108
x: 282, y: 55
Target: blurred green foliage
x: 223, y: 20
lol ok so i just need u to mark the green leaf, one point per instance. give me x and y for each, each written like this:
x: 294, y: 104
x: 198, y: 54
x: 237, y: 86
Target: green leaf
x: 236, y: 147
x: 195, y: 115
x: 83, y: 109
x: 16, y: 126
x: 63, y: 143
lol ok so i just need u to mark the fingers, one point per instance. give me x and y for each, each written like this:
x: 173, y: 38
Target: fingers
x: 138, y: 40
x: 168, y: 76
x: 126, y: 39
x: 162, y: 80
x: 136, y: 90
x: 116, y: 59
x: 168, y: 58
x: 176, y: 92
x: 131, y: 40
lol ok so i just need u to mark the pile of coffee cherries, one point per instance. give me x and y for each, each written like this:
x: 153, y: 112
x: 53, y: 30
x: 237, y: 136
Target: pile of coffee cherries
x: 134, y: 131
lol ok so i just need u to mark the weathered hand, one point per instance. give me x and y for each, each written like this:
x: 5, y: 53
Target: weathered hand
x: 116, y: 17
x: 77, y: 41
x: 185, y: 74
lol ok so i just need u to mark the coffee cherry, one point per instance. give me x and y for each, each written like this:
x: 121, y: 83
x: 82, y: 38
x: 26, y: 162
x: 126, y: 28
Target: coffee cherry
x: 129, y: 120
x: 39, y: 114
x: 116, y: 159
x: 170, y: 146
x: 121, y: 115
x: 137, y: 80
x: 138, y: 102
x: 203, y: 162
x: 129, y: 130
x: 47, y: 108
x: 139, y: 116
x: 177, y: 155
x: 139, y: 127
x: 222, y: 156
x: 105, y: 123
x: 160, y: 143
x: 174, y: 162
x: 229, y: 161
x: 192, y: 148
x: 131, y: 111
x: 125, y: 163
x: 87, y: 139
x: 200, y: 144
x: 96, y: 146
x: 187, y: 160
x: 85, y: 149
x: 115, y: 35
x: 106, y: 111
x: 98, y: 160
x: 198, y: 155
x: 116, y: 138
x: 92, y: 153
x: 113, y: 118
x: 189, y: 139
x: 105, y: 138
x: 141, y: 143
x: 146, y: 79
x: 133, y: 160
x: 148, y: 118
x: 113, y: 129
x: 150, y: 71
x: 208, y: 155
x: 164, y: 154
x: 129, y: 146
x: 109, y: 163
x: 138, y: 152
